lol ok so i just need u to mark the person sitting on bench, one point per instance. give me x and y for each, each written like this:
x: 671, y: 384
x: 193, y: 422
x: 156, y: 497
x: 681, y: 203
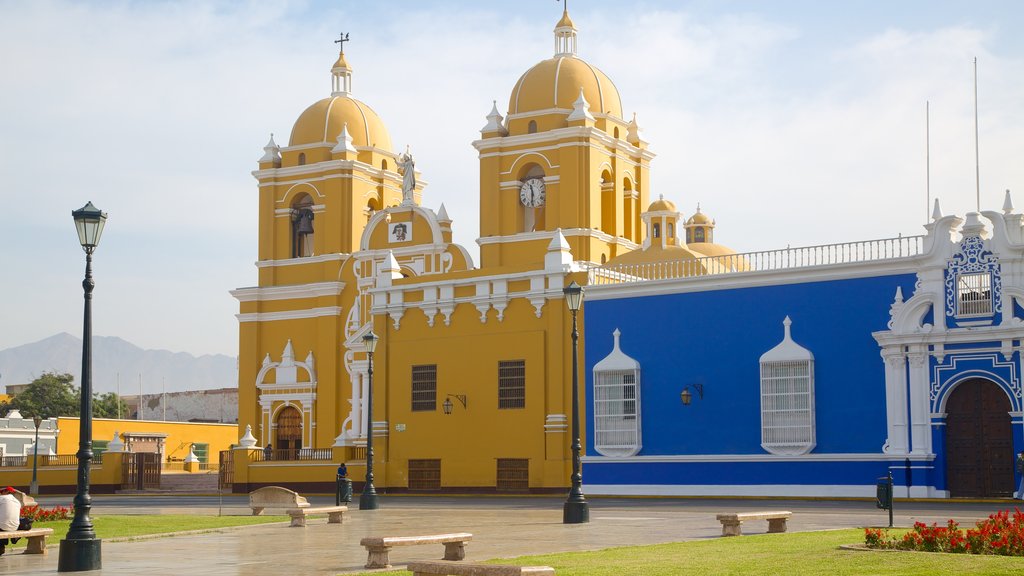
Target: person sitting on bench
x: 10, y: 516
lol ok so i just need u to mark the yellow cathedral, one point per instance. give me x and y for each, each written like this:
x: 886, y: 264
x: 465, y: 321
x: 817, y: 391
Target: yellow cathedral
x: 472, y: 370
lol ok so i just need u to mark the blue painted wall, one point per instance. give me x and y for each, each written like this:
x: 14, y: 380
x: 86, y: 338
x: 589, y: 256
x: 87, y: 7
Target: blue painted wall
x: 716, y: 338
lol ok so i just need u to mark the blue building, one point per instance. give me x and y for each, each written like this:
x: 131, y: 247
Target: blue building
x: 808, y: 371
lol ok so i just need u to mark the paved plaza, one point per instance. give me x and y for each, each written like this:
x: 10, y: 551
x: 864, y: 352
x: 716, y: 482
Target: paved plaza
x: 501, y: 527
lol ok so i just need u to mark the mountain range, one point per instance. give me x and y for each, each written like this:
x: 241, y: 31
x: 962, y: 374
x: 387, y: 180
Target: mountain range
x: 116, y: 359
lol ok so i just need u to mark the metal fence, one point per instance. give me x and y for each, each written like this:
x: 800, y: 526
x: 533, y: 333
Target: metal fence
x: 787, y: 258
x: 302, y: 454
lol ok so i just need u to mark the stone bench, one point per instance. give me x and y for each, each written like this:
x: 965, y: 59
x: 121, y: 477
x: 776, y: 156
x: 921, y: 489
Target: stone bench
x: 466, y: 569
x: 731, y: 522
x: 275, y: 497
x: 378, y: 548
x: 36, y: 538
x: 333, y: 514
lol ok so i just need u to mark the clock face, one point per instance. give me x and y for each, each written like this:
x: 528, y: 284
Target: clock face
x: 531, y: 194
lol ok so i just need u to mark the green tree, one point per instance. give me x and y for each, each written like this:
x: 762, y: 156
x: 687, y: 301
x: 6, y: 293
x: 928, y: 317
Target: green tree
x: 106, y: 405
x: 48, y: 396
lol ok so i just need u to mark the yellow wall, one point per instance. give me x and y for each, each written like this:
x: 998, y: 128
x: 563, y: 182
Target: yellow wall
x: 179, y: 434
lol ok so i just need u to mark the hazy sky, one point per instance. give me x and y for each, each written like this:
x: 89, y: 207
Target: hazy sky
x: 791, y: 122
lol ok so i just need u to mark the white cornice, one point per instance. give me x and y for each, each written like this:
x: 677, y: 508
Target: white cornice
x: 299, y: 261
x: 295, y: 291
x: 950, y: 336
x: 576, y: 132
x: 704, y: 283
x: 289, y: 314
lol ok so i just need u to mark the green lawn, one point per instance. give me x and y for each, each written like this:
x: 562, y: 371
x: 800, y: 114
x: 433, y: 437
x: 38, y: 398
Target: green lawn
x: 108, y: 527
x: 797, y: 553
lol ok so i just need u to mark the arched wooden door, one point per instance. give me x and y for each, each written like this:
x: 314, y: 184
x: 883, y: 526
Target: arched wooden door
x: 289, y: 433
x: 979, y: 441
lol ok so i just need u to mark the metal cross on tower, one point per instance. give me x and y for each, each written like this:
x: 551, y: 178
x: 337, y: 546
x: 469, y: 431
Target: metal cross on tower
x: 341, y: 40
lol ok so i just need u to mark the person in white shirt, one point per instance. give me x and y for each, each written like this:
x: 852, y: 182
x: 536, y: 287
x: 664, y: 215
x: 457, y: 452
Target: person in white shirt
x: 10, y: 514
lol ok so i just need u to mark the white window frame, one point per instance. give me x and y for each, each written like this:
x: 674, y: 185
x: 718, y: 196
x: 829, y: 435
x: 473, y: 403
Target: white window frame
x: 787, y: 407
x: 617, y: 412
x: 973, y: 283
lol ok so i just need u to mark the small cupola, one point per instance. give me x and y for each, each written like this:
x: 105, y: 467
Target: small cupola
x: 565, y: 36
x: 661, y: 221
x: 700, y: 228
x: 341, y: 72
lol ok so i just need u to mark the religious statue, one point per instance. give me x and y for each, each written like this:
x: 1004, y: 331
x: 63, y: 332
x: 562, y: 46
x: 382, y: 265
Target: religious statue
x: 407, y: 167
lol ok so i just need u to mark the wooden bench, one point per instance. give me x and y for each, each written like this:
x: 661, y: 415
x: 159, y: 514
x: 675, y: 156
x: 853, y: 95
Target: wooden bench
x: 731, y: 522
x: 466, y: 569
x: 378, y: 548
x: 334, y: 514
x: 36, y: 538
x: 275, y: 497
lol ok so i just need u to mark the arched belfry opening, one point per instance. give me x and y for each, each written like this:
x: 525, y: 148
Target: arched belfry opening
x: 979, y: 441
x: 532, y: 198
x: 302, y: 226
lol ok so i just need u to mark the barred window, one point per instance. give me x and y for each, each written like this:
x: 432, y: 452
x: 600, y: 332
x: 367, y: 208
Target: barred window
x: 424, y: 474
x: 616, y: 430
x: 974, y: 294
x: 513, y: 475
x: 424, y: 388
x: 787, y: 407
x: 512, y: 384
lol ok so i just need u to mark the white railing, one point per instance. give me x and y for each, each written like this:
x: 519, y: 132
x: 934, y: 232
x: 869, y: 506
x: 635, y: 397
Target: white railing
x: 787, y: 258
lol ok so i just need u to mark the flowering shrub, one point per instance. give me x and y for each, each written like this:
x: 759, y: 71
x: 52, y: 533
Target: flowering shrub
x: 1000, y: 533
x: 38, y: 514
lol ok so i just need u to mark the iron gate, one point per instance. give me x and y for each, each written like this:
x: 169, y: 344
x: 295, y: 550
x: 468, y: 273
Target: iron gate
x: 140, y: 471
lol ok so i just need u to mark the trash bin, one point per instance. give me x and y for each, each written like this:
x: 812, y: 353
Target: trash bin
x: 883, y: 493
x: 344, y: 492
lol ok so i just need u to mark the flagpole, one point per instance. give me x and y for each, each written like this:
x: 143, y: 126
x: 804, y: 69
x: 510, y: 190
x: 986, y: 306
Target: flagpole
x: 977, y: 165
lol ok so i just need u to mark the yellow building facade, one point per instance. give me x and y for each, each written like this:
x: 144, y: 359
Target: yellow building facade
x: 472, y: 373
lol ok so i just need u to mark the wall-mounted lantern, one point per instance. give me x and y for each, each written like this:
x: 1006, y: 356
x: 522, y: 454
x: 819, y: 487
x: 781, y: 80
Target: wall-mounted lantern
x: 686, y: 396
x: 447, y: 405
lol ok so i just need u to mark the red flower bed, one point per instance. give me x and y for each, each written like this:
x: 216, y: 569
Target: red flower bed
x: 38, y: 514
x: 1000, y: 533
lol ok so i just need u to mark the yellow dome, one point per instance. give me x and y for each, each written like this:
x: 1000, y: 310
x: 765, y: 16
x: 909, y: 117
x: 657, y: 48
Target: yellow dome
x: 699, y: 218
x: 556, y: 83
x: 341, y: 63
x: 661, y: 205
x: 565, y: 22
x: 322, y: 122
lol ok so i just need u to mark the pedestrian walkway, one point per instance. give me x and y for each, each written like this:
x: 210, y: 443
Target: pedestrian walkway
x: 501, y: 527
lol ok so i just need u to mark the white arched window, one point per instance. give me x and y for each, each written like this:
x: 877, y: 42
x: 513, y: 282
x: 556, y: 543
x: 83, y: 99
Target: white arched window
x: 617, y: 404
x: 787, y: 397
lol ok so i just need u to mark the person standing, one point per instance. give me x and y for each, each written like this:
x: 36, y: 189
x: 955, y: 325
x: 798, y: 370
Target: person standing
x: 343, y: 492
x: 268, y: 453
x: 1020, y: 470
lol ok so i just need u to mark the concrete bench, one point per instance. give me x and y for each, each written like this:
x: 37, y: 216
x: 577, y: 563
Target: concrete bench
x: 776, y: 521
x: 333, y: 514
x: 378, y: 548
x: 36, y: 538
x: 275, y: 497
x: 466, y: 569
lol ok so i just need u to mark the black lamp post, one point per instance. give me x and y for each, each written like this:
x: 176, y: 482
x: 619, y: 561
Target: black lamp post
x: 575, y: 510
x: 368, y: 499
x: 80, y: 549
x: 34, y: 488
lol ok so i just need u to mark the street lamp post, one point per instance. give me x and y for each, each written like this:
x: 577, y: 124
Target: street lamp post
x: 80, y: 549
x: 34, y: 488
x: 575, y: 510
x: 368, y: 499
